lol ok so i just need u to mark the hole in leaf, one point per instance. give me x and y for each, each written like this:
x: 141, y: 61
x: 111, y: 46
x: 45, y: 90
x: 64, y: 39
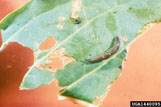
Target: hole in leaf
x: 61, y: 18
x: 56, y: 63
x: 57, y: 60
x: 125, y: 38
x: 59, y: 26
x: 47, y: 44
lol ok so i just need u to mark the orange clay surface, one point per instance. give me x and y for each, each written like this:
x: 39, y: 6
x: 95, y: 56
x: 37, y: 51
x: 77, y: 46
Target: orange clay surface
x: 47, y: 44
x: 139, y: 80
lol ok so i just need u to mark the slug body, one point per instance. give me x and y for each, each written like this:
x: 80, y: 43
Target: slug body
x: 107, y: 54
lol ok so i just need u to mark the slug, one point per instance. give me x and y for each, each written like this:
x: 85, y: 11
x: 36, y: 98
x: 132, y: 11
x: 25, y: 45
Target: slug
x: 106, y: 54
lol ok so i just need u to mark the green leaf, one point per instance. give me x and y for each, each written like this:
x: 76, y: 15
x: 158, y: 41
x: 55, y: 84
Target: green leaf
x: 88, y: 82
x: 37, y: 78
x: 86, y: 37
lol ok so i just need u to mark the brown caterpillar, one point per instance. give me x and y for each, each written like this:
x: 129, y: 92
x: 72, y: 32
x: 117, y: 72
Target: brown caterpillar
x: 107, y: 54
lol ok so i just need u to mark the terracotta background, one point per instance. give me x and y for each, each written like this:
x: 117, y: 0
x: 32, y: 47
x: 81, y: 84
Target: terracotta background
x: 140, y: 79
